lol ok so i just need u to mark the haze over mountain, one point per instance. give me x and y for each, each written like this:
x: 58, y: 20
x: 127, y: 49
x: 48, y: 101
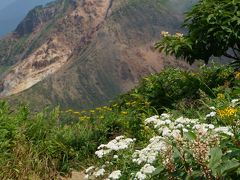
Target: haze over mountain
x: 13, y: 11
x: 83, y: 53
x: 4, y: 3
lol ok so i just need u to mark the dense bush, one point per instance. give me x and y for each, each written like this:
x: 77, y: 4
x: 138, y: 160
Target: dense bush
x: 165, y: 89
x: 207, y: 146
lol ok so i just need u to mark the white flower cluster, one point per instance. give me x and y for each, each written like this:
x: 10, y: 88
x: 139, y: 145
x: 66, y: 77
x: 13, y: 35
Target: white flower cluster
x: 115, y: 175
x: 144, y: 171
x: 169, y: 129
x: 119, y: 143
x: 211, y: 114
x: 98, y: 173
x: 165, y: 33
x: 93, y: 172
x: 151, y: 152
x: 174, y: 128
x: 235, y: 102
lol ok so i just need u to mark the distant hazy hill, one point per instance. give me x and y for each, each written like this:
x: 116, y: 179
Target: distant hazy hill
x: 13, y: 11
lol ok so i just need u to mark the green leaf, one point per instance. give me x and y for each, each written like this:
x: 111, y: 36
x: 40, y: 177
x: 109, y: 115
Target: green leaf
x: 229, y: 166
x: 210, y: 17
x: 190, y: 135
x: 215, y: 160
x: 158, y: 170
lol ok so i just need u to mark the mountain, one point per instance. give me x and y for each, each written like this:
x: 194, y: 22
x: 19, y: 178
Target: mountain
x: 83, y: 53
x: 13, y: 11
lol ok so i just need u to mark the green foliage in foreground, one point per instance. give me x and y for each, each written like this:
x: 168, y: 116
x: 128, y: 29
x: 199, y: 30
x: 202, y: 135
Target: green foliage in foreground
x: 47, y: 144
x: 204, y: 146
x: 213, y: 30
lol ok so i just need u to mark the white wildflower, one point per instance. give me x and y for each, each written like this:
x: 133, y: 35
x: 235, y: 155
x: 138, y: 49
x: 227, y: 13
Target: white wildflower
x: 119, y: 143
x: 165, y: 33
x: 86, y: 177
x: 150, y: 153
x: 89, y: 169
x: 100, y: 172
x: 115, y: 175
x: 165, y: 116
x: 179, y: 35
x: 148, y: 169
x: 102, y: 152
x: 211, y: 126
x: 168, y: 121
x: 179, y: 126
x: 176, y: 134
x: 212, y: 108
x: 140, y: 176
x: 224, y: 130
x: 211, y: 114
x: 234, y: 102
x: 166, y: 131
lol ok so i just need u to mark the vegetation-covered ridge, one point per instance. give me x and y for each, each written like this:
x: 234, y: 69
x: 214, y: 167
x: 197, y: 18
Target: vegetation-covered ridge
x: 50, y: 143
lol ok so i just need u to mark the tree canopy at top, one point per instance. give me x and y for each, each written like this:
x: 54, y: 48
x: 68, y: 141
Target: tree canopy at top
x: 213, y: 30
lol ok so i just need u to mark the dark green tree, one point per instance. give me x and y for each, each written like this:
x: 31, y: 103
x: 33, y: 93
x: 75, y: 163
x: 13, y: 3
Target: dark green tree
x: 213, y: 30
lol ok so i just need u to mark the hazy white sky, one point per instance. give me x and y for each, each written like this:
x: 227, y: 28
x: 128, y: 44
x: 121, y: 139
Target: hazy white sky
x: 4, y: 3
x: 12, y: 13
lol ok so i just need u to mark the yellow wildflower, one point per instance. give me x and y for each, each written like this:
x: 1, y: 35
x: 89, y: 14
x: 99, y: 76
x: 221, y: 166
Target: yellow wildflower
x: 69, y: 110
x: 227, y: 112
x: 124, y: 112
x: 98, y: 109
x: 147, y: 103
x: 220, y: 96
x: 76, y: 113
x: 237, y: 75
x: 128, y: 103
x: 92, y: 111
x: 134, y: 102
x: 84, y: 118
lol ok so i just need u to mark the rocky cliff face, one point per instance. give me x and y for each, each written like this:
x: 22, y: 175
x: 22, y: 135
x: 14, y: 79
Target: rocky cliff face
x: 82, y: 53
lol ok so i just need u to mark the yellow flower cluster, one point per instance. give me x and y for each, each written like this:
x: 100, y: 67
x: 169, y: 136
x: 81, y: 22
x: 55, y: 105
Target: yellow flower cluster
x: 227, y: 112
x: 237, y: 75
x: 124, y: 112
x: 131, y: 103
x: 220, y: 96
x: 84, y: 118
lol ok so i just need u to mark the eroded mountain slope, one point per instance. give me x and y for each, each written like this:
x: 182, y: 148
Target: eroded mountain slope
x: 91, y: 52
